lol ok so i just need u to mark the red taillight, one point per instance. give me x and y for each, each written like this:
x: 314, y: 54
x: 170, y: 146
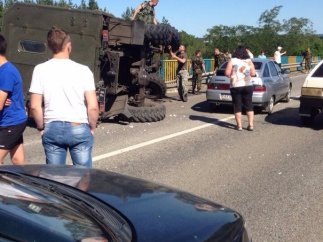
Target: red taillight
x: 218, y: 86
x: 105, y: 35
x: 259, y: 88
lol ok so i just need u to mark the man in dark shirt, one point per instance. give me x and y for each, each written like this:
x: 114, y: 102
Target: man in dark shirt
x: 181, y: 72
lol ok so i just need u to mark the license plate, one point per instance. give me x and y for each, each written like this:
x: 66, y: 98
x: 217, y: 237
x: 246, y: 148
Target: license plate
x: 226, y: 97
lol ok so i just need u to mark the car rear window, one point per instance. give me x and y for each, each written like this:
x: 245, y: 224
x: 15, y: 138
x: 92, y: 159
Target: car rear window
x: 220, y: 72
x: 318, y: 72
x: 257, y: 65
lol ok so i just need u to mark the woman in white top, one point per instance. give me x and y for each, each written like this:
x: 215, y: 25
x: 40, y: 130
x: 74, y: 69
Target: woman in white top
x: 240, y: 69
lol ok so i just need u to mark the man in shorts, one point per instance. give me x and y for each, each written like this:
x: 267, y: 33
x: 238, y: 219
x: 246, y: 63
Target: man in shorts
x: 13, y: 118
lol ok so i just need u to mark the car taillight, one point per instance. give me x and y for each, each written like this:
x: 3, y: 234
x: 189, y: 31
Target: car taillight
x: 259, y: 88
x: 218, y: 86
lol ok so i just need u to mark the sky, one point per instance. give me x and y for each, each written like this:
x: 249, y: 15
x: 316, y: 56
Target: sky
x: 196, y: 16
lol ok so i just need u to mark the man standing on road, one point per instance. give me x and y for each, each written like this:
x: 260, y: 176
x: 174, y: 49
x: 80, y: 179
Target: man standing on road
x: 218, y: 59
x: 70, y: 113
x: 277, y: 56
x: 12, y: 110
x: 307, y: 56
x: 181, y: 72
x: 146, y: 12
x: 198, y: 68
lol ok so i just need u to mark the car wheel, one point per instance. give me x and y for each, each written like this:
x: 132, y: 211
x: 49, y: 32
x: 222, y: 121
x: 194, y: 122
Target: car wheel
x: 288, y: 95
x: 270, y: 106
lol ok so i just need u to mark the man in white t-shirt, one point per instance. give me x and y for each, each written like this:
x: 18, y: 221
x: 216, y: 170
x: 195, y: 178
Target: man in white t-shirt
x: 277, y: 56
x: 64, y: 103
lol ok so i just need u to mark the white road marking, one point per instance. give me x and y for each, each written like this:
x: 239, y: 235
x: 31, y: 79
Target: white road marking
x: 154, y: 141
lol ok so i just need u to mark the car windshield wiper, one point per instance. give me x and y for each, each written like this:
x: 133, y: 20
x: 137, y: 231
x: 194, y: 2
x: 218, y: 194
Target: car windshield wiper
x: 112, y: 222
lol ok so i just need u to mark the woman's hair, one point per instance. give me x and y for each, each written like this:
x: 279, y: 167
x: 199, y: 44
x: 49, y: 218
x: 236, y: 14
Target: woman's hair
x: 241, y: 53
x: 57, y: 39
x: 197, y: 51
x: 3, y: 45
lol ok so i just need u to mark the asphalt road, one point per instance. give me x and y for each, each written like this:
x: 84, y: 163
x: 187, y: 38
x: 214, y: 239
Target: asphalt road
x: 273, y: 175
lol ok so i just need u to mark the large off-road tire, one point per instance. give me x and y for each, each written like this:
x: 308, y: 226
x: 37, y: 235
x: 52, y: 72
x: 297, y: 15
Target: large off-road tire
x: 162, y: 34
x: 151, y: 112
x: 156, y: 88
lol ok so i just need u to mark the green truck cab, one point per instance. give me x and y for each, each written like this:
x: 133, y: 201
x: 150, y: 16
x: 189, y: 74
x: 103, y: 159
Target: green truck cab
x: 120, y: 53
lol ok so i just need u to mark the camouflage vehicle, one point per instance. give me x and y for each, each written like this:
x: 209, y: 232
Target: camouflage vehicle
x: 123, y: 55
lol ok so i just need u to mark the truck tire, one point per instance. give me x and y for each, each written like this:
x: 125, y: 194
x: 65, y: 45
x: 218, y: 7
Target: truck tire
x: 162, y: 34
x: 151, y: 112
x: 156, y: 88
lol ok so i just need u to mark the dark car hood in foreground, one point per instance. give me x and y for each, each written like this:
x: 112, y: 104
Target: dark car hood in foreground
x: 156, y: 212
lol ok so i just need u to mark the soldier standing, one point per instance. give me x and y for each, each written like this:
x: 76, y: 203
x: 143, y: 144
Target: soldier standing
x: 308, y: 60
x: 146, y: 12
x: 198, y: 68
x: 181, y: 72
x: 218, y: 59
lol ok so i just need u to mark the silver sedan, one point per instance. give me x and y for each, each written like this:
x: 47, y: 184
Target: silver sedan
x: 271, y: 85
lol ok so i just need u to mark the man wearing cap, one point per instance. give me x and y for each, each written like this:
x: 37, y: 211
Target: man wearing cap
x: 277, y: 56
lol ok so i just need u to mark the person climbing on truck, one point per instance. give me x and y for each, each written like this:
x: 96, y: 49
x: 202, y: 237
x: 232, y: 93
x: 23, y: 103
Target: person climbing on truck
x: 145, y: 12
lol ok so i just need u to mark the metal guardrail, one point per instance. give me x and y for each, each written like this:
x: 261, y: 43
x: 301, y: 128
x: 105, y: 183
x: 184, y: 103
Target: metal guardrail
x: 298, y: 66
x: 168, y: 68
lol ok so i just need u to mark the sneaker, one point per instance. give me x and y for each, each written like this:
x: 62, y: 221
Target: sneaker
x: 250, y: 128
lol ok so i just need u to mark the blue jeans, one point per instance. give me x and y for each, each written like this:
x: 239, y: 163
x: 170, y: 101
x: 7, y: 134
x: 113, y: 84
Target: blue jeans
x: 61, y: 136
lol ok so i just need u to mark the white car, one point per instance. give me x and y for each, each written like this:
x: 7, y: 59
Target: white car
x: 271, y: 85
x: 311, y: 100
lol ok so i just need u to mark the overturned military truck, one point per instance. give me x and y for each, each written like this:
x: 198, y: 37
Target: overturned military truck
x: 123, y: 55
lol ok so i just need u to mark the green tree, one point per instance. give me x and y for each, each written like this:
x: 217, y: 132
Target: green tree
x: 93, y: 5
x: 82, y: 5
x: 192, y: 43
x: 128, y: 13
x: 268, y: 19
x: 63, y: 3
x: 294, y: 34
x: 45, y: 2
x: 165, y: 20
